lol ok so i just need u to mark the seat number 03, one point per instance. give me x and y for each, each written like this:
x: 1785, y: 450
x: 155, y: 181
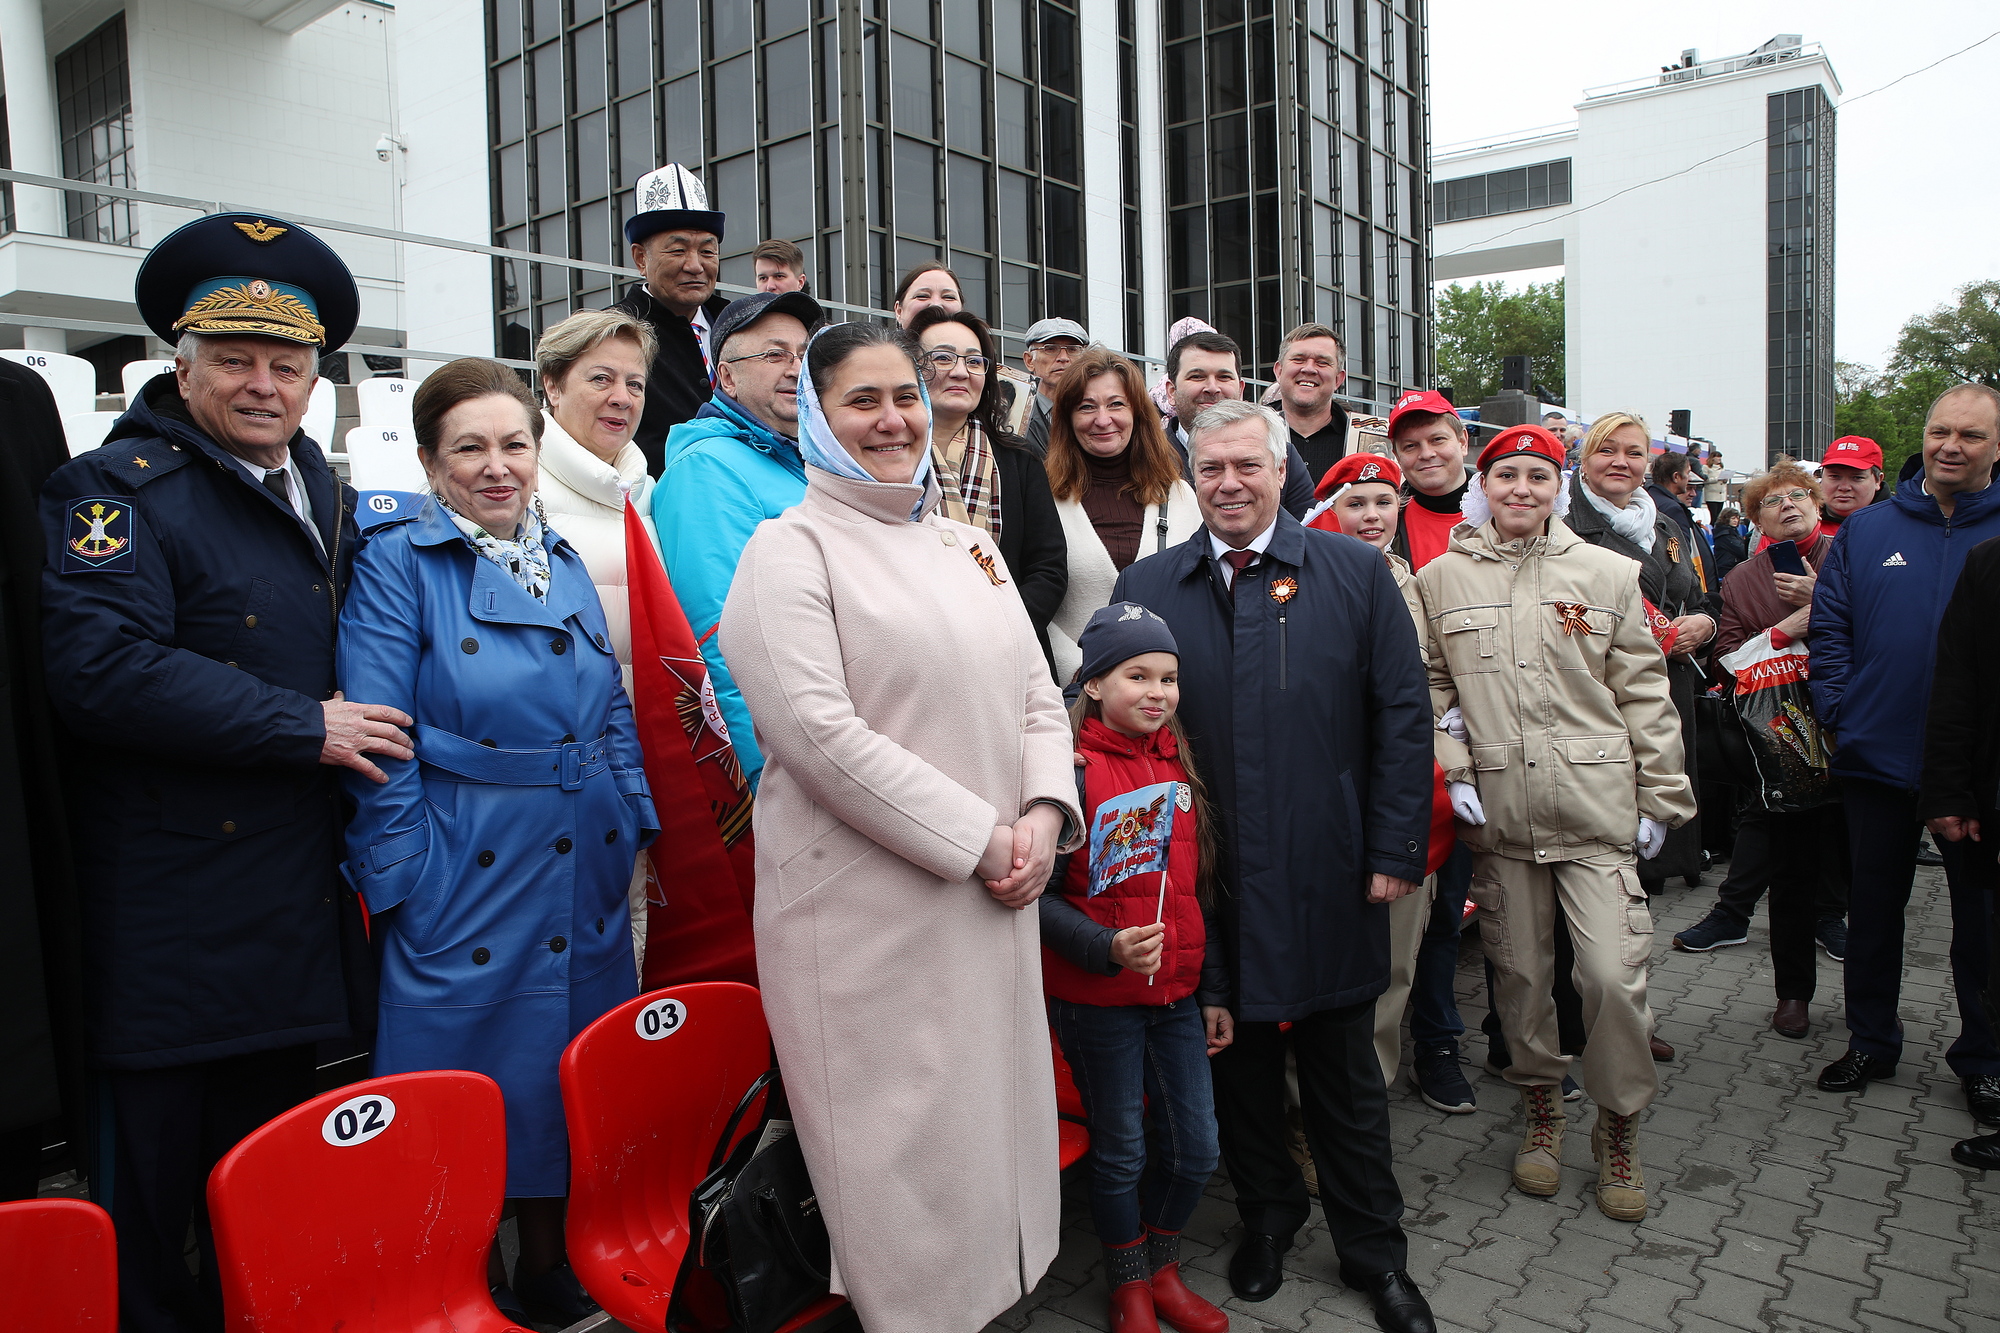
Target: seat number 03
x: 357, y: 1120
x: 661, y: 1018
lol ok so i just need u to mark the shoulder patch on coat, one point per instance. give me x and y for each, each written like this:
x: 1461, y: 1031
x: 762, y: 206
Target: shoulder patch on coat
x: 97, y: 537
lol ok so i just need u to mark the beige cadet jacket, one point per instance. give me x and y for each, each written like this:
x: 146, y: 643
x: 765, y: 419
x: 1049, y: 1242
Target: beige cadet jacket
x: 1543, y: 644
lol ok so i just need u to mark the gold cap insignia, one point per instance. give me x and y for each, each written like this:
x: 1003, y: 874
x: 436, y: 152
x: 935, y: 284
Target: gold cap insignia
x: 261, y: 231
x: 253, y: 307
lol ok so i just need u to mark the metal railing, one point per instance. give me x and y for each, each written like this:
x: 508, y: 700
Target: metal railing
x: 1708, y: 69
x: 1153, y: 364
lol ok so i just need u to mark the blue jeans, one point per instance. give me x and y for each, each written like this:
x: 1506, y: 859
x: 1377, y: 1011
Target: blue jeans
x: 1143, y: 1073
x: 1434, y: 1019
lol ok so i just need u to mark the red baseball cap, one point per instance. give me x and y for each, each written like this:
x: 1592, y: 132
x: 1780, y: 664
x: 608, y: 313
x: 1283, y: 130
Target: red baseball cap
x: 1358, y: 468
x: 1429, y: 402
x: 1522, y: 440
x: 1853, y: 451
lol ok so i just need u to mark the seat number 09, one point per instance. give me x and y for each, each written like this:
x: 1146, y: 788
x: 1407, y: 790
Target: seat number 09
x: 357, y: 1120
x: 661, y: 1018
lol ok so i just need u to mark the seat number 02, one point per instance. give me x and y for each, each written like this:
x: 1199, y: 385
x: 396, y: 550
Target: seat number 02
x: 357, y: 1120
x: 661, y: 1018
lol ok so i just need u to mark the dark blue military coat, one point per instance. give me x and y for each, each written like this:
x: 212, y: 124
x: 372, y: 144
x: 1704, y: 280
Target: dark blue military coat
x: 188, y: 629
x: 1308, y: 715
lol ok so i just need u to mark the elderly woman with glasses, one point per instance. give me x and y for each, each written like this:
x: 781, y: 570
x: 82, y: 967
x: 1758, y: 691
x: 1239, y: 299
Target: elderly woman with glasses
x: 1792, y: 853
x: 987, y: 475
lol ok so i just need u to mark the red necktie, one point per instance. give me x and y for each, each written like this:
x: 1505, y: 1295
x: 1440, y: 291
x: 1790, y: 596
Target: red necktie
x: 1240, y: 560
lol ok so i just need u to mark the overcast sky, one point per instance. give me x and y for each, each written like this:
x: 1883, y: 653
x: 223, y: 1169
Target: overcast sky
x: 1918, y: 183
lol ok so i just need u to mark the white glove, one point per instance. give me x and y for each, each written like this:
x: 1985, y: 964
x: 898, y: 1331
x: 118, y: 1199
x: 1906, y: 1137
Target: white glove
x: 1465, y: 804
x: 1652, y: 837
x: 1453, y: 724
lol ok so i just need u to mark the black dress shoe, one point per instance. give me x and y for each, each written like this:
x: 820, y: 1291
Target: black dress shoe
x: 1853, y: 1072
x: 1257, y: 1269
x: 1399, y: 1306
x: 555, y: 1297
x: 1982, y: 1094
x: 1982, y: 1153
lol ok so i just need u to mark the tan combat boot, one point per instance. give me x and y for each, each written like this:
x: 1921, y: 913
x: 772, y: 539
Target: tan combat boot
x: 1538, y: 1165
x: 1621, y: 1184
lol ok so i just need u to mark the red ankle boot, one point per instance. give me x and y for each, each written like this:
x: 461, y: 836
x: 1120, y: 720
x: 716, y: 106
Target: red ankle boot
x: 1132, y: 1309
x: 1173, y: 1302
x: 1131, y: 1294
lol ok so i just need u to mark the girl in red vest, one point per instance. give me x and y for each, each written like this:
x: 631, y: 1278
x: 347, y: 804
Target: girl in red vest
x: 1123, y: 945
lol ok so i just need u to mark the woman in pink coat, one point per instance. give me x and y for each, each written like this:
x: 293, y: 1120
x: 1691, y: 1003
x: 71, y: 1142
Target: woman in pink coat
x: 916, y: 788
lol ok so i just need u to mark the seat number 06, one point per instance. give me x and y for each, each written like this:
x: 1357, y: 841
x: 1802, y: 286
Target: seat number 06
x: 661, y: 1018
x: 357, y: 1120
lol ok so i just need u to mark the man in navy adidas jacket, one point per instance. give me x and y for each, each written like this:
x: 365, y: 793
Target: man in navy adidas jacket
x: 1875, y: 613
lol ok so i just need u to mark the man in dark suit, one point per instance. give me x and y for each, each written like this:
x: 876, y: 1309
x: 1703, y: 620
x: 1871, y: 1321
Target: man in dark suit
x: 1323, y: 819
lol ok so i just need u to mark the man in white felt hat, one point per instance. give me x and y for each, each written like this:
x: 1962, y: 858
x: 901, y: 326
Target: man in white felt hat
x: 677, y: 243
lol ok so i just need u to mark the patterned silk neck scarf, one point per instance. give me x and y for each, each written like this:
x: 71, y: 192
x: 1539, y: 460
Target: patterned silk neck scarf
x: 978, y: 478
x: 524, y: 556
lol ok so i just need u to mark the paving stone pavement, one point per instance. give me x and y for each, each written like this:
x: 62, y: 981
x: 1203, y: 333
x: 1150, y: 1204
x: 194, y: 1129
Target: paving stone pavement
x: 1774, y: 1206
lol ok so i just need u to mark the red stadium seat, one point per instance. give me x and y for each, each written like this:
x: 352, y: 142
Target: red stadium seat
x: 646, y: 1090
x: 370, y: 1210
x: 58, y: 1266
x: 1071, y: 1122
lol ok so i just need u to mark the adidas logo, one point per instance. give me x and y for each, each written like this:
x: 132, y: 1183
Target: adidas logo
x: 1895, y: 561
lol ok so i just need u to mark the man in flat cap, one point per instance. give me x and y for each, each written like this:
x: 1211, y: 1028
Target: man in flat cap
x: 195, y: 568
x: 677, y: 243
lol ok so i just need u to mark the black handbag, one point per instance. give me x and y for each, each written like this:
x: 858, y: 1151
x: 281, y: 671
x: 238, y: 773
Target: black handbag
x: 757, y: 1230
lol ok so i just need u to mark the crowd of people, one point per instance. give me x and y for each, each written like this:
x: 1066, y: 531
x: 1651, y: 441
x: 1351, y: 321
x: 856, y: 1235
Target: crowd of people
x: 1160, y: 718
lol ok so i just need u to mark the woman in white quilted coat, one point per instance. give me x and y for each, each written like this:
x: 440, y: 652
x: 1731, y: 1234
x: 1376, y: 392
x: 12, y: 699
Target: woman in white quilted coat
x: 593, y: 368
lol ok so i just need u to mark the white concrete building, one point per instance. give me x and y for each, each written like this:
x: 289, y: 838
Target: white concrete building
x: 265, y: 104
x: 1692, y: 213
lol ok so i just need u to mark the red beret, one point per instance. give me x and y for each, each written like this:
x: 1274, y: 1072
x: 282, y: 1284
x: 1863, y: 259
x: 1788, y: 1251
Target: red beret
x: 1853, y: 451
x: 1522, y: 440
x: 1358, y: 468
x: 1429, y: 402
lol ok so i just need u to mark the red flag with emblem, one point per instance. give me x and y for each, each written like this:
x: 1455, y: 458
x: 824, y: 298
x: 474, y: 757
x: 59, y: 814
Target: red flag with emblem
x: 701, y: 885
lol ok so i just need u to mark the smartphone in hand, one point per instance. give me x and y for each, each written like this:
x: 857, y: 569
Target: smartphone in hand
x: 1785, y: 557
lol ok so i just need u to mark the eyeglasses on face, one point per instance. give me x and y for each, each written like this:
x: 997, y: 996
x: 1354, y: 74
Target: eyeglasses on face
x: 775, y: 357
x: 943, y: 358
x: 1773, y: 501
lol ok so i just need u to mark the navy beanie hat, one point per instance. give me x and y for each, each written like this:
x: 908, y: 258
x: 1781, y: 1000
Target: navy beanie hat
x: 1119, y: 632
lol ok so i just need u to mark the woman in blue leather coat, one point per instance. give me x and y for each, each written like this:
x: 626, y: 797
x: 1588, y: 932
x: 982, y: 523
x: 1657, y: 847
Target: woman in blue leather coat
x: 495, y: 863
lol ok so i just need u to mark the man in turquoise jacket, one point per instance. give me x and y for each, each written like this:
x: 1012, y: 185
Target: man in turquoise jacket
x: 735, y: 465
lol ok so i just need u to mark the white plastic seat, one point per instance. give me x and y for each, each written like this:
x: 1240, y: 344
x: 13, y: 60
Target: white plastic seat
x: 136, y: 374
x: 318, y: 423
x: 383, y: 460
x: 384, y: 402
x: 72, y: 379
x: 86, y: 430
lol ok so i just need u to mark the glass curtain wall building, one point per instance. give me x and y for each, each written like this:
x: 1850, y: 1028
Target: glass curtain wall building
x: 1799, y: 149
x: 1298, y: 143
x: 881, y: 134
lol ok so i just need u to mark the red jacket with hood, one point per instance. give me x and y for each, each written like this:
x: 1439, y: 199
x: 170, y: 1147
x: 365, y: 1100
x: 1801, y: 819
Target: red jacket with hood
x: 1115, y: 765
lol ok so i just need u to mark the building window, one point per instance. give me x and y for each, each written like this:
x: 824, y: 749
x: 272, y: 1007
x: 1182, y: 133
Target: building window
x: 1543, y: 185
x: 1799, y: 290
x: 94, y: 117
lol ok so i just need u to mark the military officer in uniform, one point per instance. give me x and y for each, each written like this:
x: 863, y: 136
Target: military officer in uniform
x: 196, y: 565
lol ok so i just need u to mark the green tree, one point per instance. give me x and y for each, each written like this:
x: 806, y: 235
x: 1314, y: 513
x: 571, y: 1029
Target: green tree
x: 1480, y: 324
x: 1953, y: 344
x: 1961, y: 342
x: 1888, y: 408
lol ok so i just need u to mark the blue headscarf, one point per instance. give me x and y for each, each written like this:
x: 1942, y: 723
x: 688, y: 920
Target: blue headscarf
x: 821, y: 449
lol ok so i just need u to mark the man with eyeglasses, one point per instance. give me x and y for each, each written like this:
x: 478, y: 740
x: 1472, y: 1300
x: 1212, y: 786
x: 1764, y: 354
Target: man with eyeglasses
x: 676, y: 242
x: 734, y: 465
